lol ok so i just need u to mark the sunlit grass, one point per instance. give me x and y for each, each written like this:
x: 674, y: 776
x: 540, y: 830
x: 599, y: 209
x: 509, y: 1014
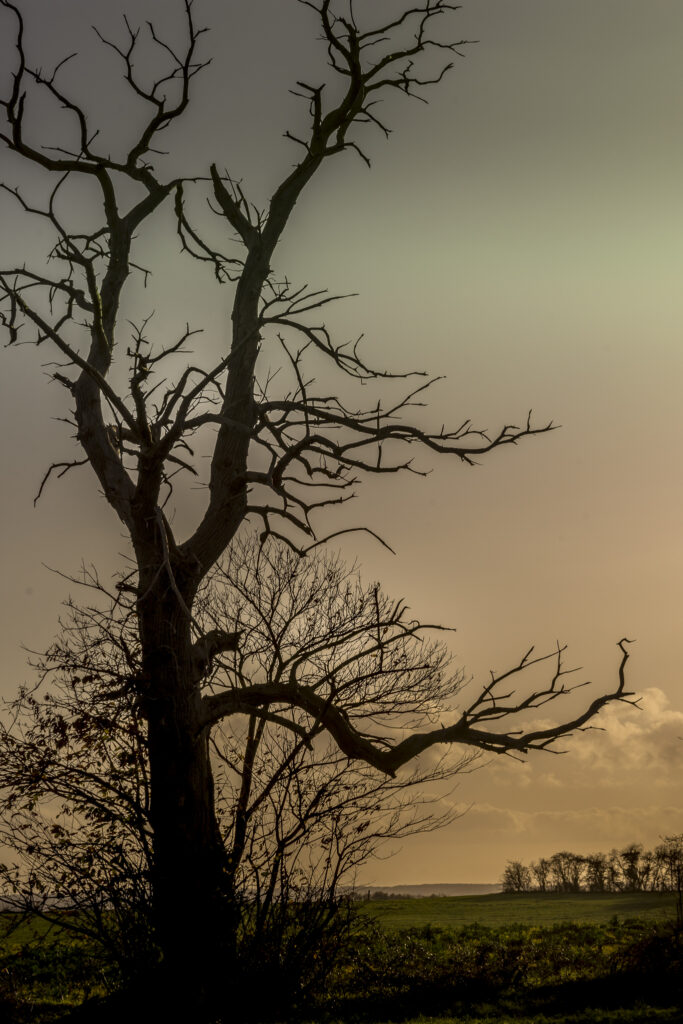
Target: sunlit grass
x: 519, y: 908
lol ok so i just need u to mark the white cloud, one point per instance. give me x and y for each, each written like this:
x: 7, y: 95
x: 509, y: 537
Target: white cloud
x: 613, y: 787
x: 632, y: 742
x: 631, y: 747
x: 539, y: 832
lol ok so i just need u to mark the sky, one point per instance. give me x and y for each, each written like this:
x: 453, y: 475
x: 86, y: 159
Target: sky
x: 521, y: 236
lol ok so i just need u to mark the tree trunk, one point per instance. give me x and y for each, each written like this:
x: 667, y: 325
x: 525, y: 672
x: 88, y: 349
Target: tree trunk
x: 194, y: 915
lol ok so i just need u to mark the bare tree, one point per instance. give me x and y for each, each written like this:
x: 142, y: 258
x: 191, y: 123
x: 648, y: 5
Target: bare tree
x: 631, y: 869
x: 669, y: 856
x: 634, y: 867
x: 278, y: 457
x: 296, y: 817
x: 314, y: 618
x: 516, y: 877
x: 565, y: 871
x: 595, y: 869
x: 540, y: 871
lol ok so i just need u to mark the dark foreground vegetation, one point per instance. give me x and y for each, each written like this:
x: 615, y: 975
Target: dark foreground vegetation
x: 616, y: 969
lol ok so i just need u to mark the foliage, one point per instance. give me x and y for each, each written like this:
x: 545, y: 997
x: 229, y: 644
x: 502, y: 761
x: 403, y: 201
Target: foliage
x: 564, y: 972
x: 511, y: 969
x: 45, y: 969
x: 74, y: 793
x: 285, y: 957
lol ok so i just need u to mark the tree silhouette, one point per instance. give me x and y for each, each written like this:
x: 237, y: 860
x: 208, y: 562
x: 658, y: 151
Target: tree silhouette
x: 295, y: 815
x: 283, y: 447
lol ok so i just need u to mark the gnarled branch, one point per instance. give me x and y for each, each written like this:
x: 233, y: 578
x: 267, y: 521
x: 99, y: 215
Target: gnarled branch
x: 467, y: 731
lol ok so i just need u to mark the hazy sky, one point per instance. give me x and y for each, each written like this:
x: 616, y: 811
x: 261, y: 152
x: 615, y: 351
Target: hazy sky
x: 521, y: 235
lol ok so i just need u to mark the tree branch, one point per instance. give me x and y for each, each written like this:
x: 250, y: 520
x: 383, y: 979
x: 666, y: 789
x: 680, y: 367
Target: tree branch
x: 387, y: 758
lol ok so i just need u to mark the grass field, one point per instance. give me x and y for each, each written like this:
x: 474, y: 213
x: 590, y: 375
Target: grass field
x: 15, y: 933
x: 535, y: 908
x: 539, y: 958
x: 493, y: 959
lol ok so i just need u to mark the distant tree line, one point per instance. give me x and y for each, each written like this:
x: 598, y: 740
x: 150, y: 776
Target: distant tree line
x: 632, y: 869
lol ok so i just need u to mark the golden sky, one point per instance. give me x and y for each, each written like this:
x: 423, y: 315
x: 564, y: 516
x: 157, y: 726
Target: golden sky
x: 523, y: 236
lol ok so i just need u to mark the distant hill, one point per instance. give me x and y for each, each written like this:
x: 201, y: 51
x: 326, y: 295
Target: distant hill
x: 433, y: 889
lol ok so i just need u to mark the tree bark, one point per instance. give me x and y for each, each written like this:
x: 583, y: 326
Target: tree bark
x: 194, y: 913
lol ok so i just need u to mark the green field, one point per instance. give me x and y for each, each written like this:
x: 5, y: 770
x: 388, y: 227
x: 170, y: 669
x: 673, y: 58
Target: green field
x: 539, y: 958
x: 15, y: 932
x: 535, y: 908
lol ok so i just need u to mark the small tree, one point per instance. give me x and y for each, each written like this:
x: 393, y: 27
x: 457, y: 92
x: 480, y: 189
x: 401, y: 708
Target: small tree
x: 669, y: 858
x: 565, y: 871
x: 630, y: 867
x: 595, y: 868
x: 540, y: 871
x: 278, y: 457
x: 74, y: 789
x: 516, y: 877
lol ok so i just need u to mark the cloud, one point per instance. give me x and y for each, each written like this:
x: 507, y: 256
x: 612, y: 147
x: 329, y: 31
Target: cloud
x: 613, y: 787
x: 476, y: 847
x: 632, y: 742
x: 632, y: 747
x: 535, y: 833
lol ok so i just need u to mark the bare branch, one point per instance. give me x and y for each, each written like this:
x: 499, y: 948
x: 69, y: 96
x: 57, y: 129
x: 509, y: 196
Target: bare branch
x: 61, y: 469
x: 467, y: 731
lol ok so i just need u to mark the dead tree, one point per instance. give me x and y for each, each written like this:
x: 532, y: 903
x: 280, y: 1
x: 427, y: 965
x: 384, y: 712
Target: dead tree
x: 279, y: 458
